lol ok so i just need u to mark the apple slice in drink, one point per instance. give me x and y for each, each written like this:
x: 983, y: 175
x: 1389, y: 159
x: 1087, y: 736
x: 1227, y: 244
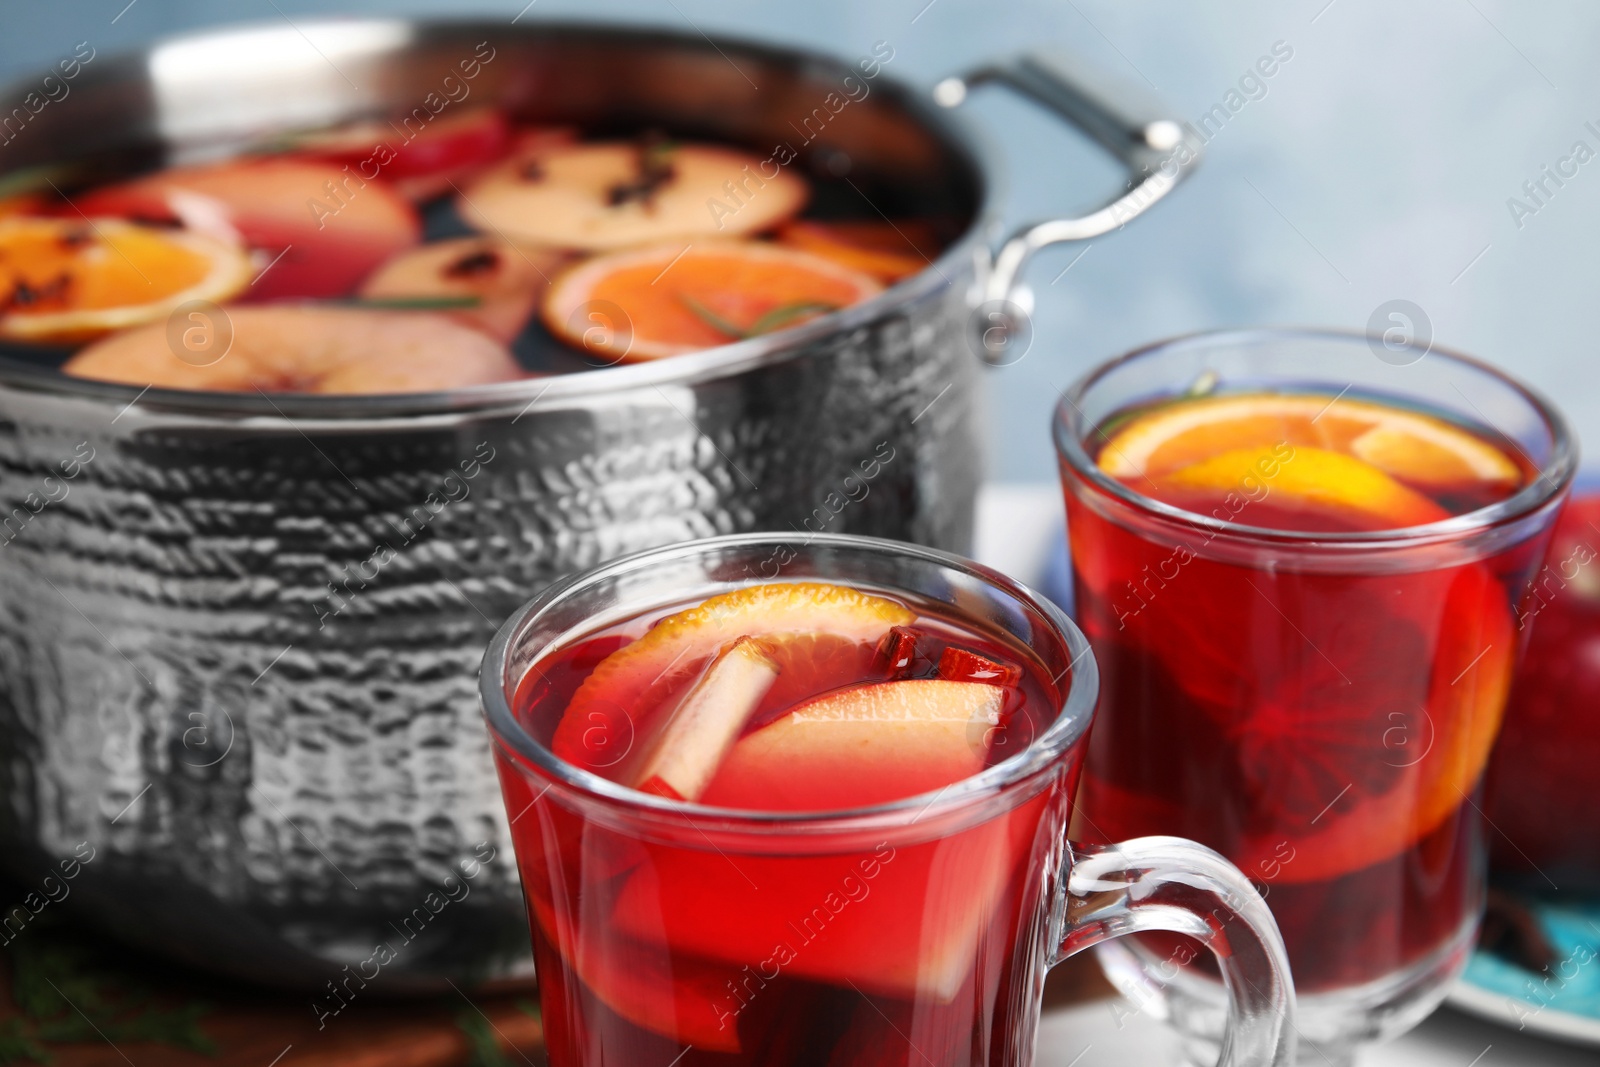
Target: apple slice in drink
x: 707, y: 721
x: 902, y: 918
x: 814, y: 632
x: 866, y: 745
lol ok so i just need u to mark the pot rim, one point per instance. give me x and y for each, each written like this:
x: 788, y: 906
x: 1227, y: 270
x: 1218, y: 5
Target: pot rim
x: 955, y: 265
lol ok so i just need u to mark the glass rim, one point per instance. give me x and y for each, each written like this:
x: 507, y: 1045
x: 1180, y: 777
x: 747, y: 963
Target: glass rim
x: 1552, y: 479
x: 1070, y: 724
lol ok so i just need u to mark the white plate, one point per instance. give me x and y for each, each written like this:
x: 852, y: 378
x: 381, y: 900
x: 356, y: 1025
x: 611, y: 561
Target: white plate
x: 1524, y: 1015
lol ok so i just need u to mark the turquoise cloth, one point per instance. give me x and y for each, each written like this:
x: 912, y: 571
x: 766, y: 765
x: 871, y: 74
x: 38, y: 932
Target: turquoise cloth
x: 1571, y: 984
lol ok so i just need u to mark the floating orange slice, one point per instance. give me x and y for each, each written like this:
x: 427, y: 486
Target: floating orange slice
x: 678, y: 298
x: 1314, y: 482
x: 69, y: 280
x: 1423, y: 451
x: 318, y: 229
x: 615, y: 194
x: 887, y: 251
x: 804, y: 625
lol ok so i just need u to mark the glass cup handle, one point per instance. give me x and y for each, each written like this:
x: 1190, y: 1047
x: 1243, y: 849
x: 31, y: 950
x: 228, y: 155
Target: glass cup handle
x: 1178, y: 886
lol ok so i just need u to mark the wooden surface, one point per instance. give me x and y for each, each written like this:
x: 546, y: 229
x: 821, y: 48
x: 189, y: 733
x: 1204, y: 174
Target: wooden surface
x: 75, y: 981
x: 87, y: 1002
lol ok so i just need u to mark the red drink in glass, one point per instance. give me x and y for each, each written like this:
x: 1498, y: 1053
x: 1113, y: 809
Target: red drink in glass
x: 806, y: 958
x: 1303, y: 601
x: 808, y: 822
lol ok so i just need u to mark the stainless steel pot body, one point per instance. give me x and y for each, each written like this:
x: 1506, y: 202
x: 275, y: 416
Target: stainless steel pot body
x: 239, y: 634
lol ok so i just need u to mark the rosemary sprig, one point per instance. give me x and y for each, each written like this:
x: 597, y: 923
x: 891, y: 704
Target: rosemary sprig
x: 773, y: 320
x: 484, y: 1049
x: 179, y: 1027
x: 16, y: 1046
x: 34, y: 179
x: 60, y: 985
x: 709, y: 317
x: 412, y: 303
x: 783, y: 315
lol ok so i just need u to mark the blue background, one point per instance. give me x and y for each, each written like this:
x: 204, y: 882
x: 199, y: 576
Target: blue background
x: 1376, y: 164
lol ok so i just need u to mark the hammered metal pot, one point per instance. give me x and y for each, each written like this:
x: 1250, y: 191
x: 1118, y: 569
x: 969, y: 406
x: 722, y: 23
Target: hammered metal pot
x: 239, y: 633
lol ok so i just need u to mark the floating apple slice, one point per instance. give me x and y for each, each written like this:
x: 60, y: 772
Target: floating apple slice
x: 867, y: 745
x: 295, y: 348
x: 806, y: 625
x: 419, y: 161
x: 708, y: 719
x: 495, y: 283
x: 613, y: 194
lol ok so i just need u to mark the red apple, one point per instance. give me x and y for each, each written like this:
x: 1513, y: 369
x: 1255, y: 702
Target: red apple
x: 499, y: 282
x: 318, y: 229
x: 1544, y: 807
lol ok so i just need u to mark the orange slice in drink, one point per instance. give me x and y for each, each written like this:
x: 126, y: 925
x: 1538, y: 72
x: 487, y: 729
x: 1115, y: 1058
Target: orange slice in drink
x: 70, y: 280
x: 1434, y: 760
x: 678, y: 298
x: 811, y: 630
x: 1424, y: 451
x: 318, y: 230
x: 1297, y: 488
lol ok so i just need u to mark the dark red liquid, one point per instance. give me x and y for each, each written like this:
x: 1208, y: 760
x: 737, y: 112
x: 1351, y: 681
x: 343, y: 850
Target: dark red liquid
x: 1325, y: 729
x: 662, y: 940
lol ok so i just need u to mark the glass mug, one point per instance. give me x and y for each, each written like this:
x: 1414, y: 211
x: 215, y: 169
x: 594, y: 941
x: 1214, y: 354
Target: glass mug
x: 914, y: 932
x: 1328, y: 699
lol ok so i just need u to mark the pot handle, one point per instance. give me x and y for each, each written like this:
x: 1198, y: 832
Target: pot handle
x: 1158, y: 152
